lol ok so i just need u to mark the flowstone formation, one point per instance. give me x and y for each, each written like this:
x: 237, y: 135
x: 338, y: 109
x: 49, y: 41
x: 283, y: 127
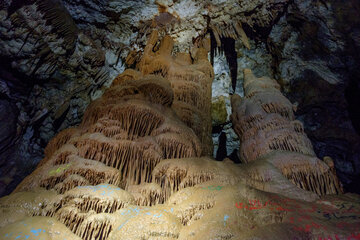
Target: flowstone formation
x: 264, y: 121
x: 190, y: 80
x: 134, y: 170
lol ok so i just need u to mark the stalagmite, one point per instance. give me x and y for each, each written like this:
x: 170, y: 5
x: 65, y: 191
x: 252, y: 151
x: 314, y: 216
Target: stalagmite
x: 264, y: 120
x: 123, y: 136
x: 191, y: 84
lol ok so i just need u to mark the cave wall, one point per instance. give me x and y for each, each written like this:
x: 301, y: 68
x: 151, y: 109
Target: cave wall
x: 315, y: 48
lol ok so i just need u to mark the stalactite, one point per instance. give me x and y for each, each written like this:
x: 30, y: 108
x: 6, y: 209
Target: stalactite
x: 70, y: 217
x: 95, y: 227
x: 78, y: 171
x: 232, y: 30
x: 104, y: 198
x: 45, y: 18
x: 58, y: 17
x: 129, y: 157
x: 307, y: 172
x: 156, y: 88
x: 172, y: 175
x: 189, y: 214
x: 81, y: 208
x: 58, y: 141
x: 70, y: 182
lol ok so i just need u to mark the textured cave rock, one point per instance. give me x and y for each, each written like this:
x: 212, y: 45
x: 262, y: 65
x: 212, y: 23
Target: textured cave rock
x: 191, y: 83
x: 264, y: 121
x: 8, y: 133
x: 50, y: 71
x: 316, y: 56
x: 132, y: 170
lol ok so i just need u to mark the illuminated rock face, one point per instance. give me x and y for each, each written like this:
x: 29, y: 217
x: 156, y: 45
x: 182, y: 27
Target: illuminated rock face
x: 190, y: 80
x: 123, y: 136
x: 133, y: 170
x: 264, y: 121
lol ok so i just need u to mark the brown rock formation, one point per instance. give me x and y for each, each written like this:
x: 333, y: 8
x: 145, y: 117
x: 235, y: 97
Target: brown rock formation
x: 190, y: 78
x: 264, y: 121
x: 233, y: 30
x: 123, y: 136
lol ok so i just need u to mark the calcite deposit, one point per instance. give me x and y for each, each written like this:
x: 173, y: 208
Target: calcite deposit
x: 190, y: 80
x: 264, y: 121
x: 136, y: 167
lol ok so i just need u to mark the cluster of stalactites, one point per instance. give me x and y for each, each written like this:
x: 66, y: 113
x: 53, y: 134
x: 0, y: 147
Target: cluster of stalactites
x: 190, y: 77
x: 232, y: 30
x: 264, y: 121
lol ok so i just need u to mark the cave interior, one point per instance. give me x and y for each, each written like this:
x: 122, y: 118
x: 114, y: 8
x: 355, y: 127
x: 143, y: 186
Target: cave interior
x: 179, y: 119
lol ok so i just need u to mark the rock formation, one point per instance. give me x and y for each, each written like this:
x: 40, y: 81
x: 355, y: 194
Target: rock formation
x: 123, y: 136
x: 56, y: 66
x: 133, y: 170
x: 264, y: 121
x: 121, y: 139
x: 190, y: 81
